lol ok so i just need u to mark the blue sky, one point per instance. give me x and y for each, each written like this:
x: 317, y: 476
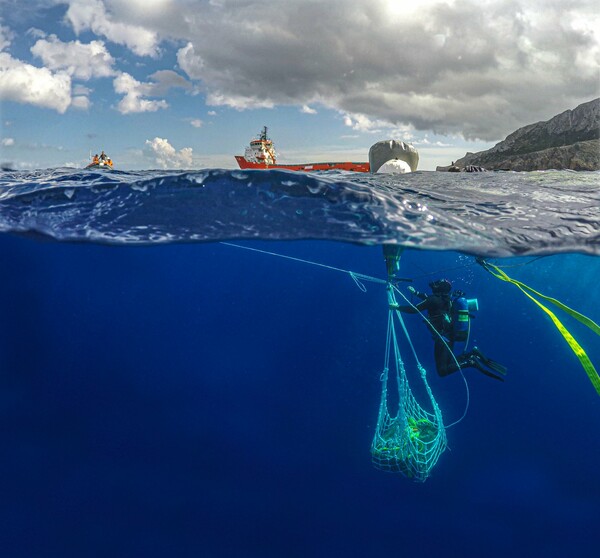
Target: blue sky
x: 187, y: 83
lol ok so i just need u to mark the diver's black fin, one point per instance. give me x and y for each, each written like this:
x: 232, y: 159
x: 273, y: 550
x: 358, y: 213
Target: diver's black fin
x: 495, y: 366
x: 474, y: 362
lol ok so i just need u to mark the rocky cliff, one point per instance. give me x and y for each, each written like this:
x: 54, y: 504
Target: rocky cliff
x: 570, y: 140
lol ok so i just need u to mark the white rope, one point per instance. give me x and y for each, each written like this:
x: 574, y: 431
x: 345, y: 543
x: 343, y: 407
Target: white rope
x: 356, y: 277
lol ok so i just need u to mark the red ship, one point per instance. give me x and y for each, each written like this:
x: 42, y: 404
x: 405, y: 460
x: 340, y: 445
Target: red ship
x: 261, y: 155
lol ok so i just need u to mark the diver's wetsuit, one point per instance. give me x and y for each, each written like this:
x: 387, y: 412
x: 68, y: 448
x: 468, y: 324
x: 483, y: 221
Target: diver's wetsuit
x: 438, y: 308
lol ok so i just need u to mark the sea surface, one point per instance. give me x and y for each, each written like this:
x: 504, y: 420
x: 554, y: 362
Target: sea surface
x: 188, y: 369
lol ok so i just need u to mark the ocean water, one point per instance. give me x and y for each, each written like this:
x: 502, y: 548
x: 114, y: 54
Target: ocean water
x: 165, y: 393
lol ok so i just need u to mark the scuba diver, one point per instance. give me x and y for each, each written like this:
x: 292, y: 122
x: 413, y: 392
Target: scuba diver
x: 449, y: 322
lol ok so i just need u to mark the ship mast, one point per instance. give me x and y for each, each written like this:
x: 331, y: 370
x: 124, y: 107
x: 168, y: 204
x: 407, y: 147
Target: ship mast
x: 263, y: 134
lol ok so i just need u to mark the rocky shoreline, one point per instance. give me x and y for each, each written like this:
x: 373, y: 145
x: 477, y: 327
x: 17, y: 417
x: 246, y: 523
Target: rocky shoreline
x: 570, y: 140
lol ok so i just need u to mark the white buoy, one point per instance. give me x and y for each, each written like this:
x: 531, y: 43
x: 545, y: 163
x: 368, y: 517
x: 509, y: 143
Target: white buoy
x: 395, y: 153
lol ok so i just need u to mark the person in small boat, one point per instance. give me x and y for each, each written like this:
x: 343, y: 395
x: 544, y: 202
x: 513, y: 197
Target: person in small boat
x: 95, y: 160
x: 446, y: 331
x: 103, y: 157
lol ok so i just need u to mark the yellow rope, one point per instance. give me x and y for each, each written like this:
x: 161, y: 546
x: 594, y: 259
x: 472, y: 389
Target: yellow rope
x: 580, y: 317
x: 575, y: 346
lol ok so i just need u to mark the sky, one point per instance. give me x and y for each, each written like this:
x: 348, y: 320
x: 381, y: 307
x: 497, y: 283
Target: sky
x: 188, y: 83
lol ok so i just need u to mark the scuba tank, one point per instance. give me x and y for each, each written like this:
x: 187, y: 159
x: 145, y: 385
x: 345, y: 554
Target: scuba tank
x: 461, y: 315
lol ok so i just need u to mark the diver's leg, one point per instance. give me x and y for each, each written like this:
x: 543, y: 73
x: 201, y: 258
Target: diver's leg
x: 446, y: 364
x: 444, y: 359
x: 459, y: 347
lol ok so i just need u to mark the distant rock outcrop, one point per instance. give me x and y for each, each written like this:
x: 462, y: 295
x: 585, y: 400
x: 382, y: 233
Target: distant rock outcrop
x: 570, y: 140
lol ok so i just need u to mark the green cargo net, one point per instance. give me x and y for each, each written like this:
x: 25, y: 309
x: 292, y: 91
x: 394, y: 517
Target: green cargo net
x: 411, y: 441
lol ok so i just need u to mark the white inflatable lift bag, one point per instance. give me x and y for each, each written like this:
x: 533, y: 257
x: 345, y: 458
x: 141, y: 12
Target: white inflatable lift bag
x: 393, y: 157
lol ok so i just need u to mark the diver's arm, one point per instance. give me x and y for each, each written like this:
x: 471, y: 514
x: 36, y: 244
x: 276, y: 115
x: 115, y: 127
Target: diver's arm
x: 416, y: 293
x: 406, y: 309
x: 419, y: 308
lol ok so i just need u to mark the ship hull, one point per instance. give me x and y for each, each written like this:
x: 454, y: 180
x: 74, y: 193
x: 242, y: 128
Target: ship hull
x: 307, y: 167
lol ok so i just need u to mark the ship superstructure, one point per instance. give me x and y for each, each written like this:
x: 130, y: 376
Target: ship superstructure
x: 260, y: 154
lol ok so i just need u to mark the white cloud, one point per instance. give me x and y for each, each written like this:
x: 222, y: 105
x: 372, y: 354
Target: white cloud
x: 36, y: 33
x: 134, y: 93
x: 163, y: 80
x: 362, y: 123
x: 196, y: 123
x: 167, y: 157
x: 477, y: 69
x: 212, y: 113
x: 80, y: 98
x: 6, y: 37
x: 80, y: 102
x: 24, y: 83
x: 79, y: 89
x: 82, y: 61
x: 238, y: 102
x: 308, y: 110
x: 93, y: 15
x: 190, y: 62
x: 7, y: 142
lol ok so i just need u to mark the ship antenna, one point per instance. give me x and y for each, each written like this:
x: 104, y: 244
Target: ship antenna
x: 263, y: 135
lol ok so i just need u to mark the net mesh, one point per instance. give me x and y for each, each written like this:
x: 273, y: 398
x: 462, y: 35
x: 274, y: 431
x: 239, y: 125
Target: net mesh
x: 411, y: 441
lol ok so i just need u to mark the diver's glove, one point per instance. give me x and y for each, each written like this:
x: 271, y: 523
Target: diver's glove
x: 394, y: 306
x: 412, y: 290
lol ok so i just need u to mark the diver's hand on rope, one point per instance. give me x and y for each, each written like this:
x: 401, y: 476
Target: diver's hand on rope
x: 394, y: 306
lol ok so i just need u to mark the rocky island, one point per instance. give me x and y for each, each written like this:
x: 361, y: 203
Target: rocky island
x: 570, y: 140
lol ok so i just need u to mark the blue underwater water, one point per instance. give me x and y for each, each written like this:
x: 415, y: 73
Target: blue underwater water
x: 165, y: 394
